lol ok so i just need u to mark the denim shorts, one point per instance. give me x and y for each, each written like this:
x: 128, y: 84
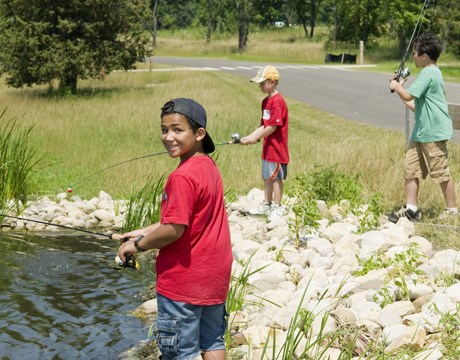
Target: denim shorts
x: 272, y: 171
x: 185, y: 330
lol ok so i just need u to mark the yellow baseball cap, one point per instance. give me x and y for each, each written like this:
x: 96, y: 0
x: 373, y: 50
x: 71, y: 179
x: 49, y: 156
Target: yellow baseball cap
x: 267, y: 72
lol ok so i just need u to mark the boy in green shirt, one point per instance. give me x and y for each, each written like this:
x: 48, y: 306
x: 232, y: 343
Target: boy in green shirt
x: 427, y: 152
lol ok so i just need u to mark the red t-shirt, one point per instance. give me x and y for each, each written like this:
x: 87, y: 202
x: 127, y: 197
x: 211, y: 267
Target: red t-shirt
x: 275, y: 112
x: 196, y: 268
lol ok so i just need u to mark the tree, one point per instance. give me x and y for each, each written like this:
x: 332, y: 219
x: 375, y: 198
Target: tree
x: 357, y: 20
x: 154, y: 5
x: 209, y: 4
x: 403, y: 15
x: 266, y: 13
x: 67, y: 40
x: 243, y: 17
x: 306, y: 11
x: 444, y: 20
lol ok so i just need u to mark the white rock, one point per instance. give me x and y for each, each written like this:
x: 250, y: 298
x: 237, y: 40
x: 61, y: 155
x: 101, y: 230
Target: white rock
x: 453, y: 292
x: 366, y: 310
x: 400, y: 308
x: 336, y: 231
x: 102, y: 215
x: 104, y: 196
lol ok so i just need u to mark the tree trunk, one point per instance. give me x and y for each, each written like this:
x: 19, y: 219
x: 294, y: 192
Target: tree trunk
x: 68, y: 82
x: 312, y: 17
x: 155, y: 23
x: 243, y: 11
x: 209, y: 31
x: 302, y: 17
x: 243, y: 30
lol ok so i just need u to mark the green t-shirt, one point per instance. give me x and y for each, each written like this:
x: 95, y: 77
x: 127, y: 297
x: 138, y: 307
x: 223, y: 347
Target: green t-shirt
x: 432, y: 120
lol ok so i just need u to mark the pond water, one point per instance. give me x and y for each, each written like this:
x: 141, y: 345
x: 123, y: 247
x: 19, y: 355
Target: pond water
x: 61, y: 298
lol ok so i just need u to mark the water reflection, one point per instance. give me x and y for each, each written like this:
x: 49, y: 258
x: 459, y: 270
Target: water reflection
x: 60, y: 298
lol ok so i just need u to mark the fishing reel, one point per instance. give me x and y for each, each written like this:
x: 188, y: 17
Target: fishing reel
x: 236, y: 138
x: 404, y: 73
x: 130, y: 262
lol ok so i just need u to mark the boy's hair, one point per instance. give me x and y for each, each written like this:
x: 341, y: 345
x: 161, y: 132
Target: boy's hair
x: 428, y: 44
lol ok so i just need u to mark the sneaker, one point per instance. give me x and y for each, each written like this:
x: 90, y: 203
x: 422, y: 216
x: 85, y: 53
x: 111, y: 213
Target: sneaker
x: 261, y: 209
x: 405, y: 212
x: 448, y: 215
x: 277, y: 212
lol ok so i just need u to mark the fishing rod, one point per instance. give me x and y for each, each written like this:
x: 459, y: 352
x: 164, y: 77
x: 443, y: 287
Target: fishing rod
x: 130, y: 262
x: 235, y: 140
x: 59, y: 225
x: 404, y: 72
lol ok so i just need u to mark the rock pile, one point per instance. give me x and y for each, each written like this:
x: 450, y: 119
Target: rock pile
x: 395, y: 309
x: 100, y: 212
x: 388, y: 285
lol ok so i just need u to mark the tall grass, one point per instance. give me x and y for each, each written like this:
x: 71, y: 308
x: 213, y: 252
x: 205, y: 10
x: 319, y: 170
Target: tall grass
x: 279, y: 45
x: 144, y: 205
x: 18, y: 161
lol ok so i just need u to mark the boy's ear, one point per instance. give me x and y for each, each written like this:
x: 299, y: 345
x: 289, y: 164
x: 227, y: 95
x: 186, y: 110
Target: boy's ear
x: 200, y: 134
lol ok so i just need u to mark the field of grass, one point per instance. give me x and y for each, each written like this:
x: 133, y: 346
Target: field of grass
x: 117, y: 119
x: 289, y: 45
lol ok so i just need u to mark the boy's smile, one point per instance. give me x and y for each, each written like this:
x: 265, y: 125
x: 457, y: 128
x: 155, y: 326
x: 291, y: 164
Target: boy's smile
x: 178, y: 137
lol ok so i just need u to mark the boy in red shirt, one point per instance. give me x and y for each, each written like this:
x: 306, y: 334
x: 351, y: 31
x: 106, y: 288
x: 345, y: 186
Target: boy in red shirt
x: 274, y: 130
x: 194, y: 262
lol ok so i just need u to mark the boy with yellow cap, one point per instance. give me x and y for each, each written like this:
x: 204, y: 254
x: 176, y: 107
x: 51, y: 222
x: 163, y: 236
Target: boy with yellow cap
x: 274, y: 130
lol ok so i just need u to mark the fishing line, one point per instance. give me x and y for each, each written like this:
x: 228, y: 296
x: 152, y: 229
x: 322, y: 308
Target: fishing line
x: 235, y: 140
x: 59, y: 225
x: 405, y: 72
x: 130, y: 262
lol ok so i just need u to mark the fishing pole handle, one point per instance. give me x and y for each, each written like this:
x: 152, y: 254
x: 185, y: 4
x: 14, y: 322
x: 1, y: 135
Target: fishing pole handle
x: 398, y: 76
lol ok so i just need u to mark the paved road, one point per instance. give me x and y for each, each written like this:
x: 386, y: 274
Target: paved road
x: 341, y: 90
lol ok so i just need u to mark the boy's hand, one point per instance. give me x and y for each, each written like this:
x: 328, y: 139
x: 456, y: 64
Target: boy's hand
x: 125, y: 249
x: 248, y: 140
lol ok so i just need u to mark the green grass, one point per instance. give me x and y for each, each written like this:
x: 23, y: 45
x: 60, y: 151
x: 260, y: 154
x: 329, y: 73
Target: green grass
x: 117, y: 119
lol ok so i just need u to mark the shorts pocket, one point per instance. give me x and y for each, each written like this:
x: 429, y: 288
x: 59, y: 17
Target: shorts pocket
x: 167, y: 329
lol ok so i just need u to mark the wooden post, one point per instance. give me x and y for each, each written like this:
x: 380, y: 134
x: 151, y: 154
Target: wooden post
x: 454, y: 112
x: 361, y: 52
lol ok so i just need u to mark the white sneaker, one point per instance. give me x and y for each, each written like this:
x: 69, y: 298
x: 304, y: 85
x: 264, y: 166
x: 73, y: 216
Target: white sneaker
x: 277, y: 211
x: 261, y: 209
x: 448, y: 215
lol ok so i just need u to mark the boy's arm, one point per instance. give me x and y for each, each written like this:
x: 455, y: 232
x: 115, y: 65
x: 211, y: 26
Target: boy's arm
x: 258, y: 134
x: 406, y: 98
x: 161, y: 236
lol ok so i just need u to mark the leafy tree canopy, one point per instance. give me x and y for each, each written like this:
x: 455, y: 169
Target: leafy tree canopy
x: 67, y: 40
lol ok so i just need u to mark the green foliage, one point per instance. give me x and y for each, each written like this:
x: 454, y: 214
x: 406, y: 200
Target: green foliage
x: 144, y: 205
x: 369, y: 215
x: 68, y: 40
x: 450, y: 336
x: 18, y: 160
x: 402, y: 265
x: 304, y: 208
x: 444, y: 20
x: 358, y: 20
x: 332, y: 186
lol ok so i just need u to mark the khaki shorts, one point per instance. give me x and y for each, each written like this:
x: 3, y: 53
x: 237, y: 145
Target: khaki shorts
x: 427, y: 158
